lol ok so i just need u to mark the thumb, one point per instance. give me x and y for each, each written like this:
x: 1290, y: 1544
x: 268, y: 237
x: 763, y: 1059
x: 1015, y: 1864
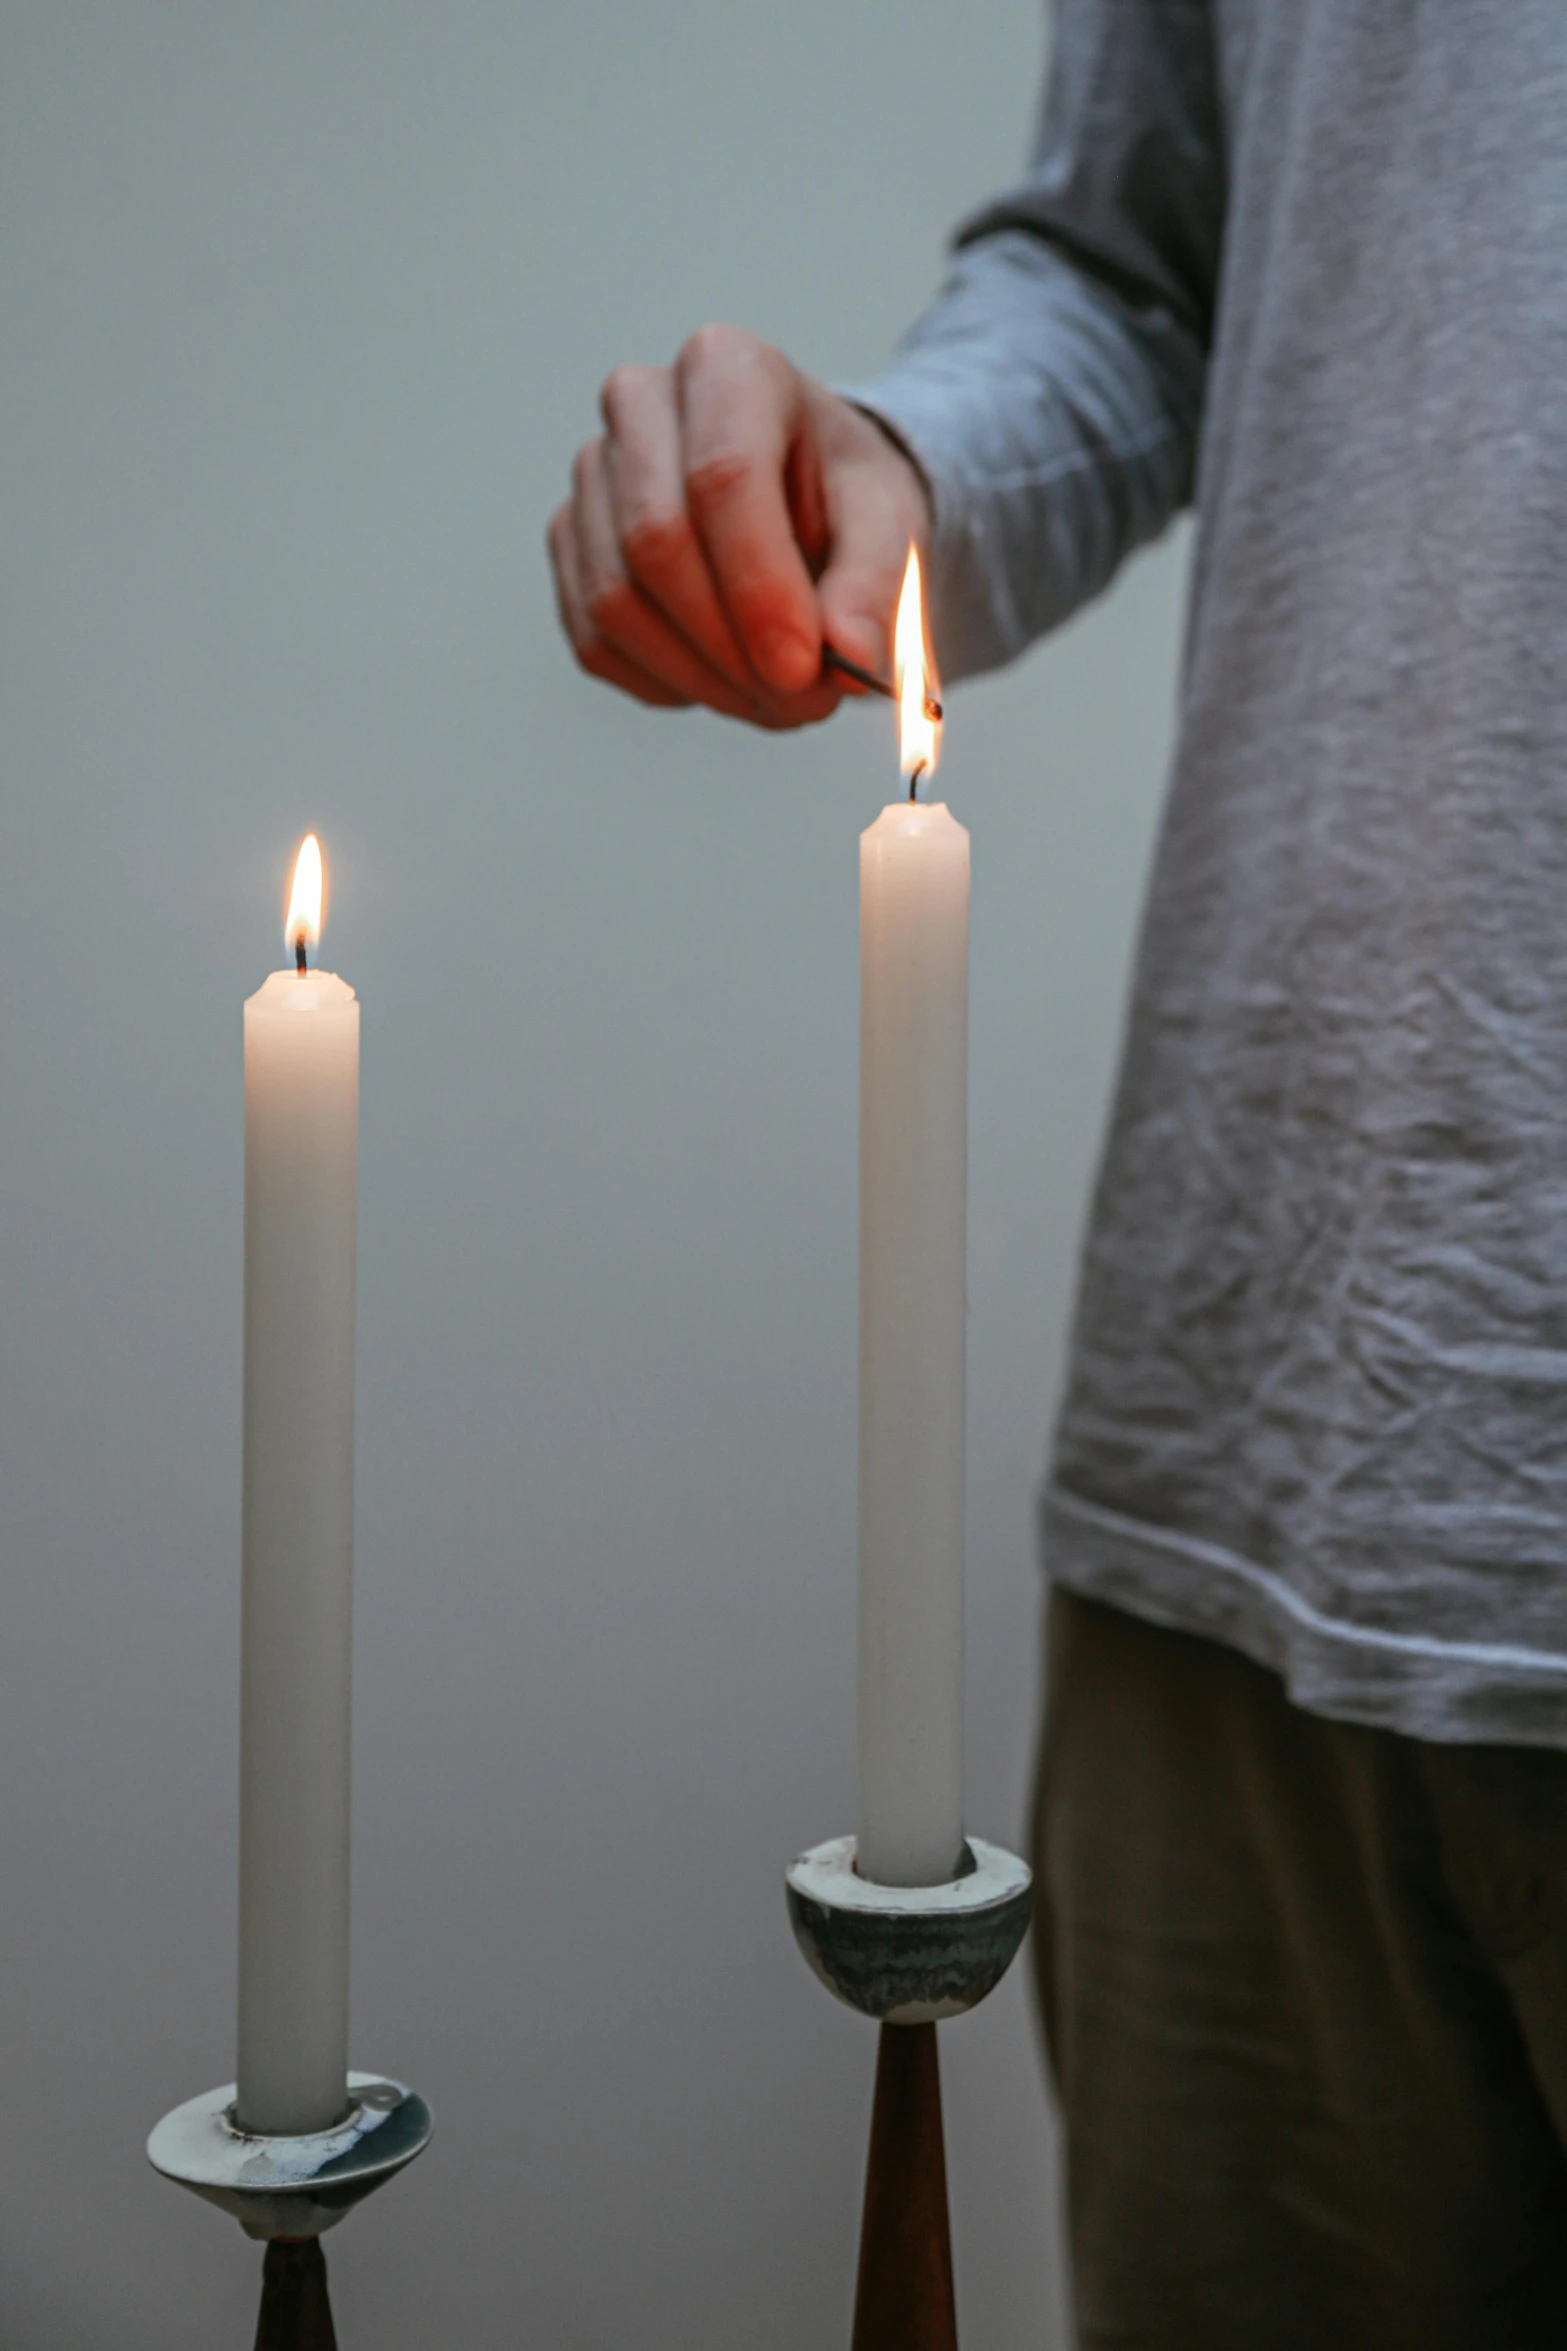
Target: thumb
x: 872, y: 522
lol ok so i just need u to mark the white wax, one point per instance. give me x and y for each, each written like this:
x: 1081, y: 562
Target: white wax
x: 301, y: 1155
x: 914, y: 889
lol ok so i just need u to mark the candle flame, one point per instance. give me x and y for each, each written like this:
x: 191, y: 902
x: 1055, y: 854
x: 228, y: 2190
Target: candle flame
x: 304, y: 904
x: 915, y: 674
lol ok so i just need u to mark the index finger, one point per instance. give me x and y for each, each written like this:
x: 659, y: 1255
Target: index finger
x: 741, y: 409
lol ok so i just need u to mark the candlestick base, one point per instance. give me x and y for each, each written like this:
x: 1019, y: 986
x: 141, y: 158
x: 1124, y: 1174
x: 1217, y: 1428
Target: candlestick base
x: 908, y: 1955
x: 298, y: 2186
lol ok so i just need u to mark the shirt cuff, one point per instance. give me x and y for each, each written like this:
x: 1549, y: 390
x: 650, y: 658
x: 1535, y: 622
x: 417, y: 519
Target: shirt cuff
x: 917, y: 416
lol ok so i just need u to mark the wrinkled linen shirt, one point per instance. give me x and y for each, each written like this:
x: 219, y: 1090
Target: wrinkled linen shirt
x: 1304, y: 264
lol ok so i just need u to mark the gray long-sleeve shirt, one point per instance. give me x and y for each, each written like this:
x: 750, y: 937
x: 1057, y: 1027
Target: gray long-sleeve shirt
x: 1305, y: 261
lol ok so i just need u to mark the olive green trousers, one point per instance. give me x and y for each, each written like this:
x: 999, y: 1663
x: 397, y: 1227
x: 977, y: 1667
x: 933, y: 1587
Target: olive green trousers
x: 1305, y: 1994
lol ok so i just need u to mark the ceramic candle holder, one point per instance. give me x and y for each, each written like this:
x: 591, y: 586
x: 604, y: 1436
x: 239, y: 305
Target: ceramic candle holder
x: 289, y: 2190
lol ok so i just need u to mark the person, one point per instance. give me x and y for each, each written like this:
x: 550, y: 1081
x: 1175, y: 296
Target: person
x: 1301, y: 1831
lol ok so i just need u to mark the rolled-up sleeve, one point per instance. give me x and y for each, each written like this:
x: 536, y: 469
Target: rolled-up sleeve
x: 1053, y: 391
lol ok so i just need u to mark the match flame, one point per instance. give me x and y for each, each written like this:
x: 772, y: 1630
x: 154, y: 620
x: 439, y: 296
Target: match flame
x: 915, y: 675
x: 304, y: 904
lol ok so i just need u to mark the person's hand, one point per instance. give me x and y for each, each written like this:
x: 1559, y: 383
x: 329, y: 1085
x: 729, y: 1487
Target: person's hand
x: 732, y: 518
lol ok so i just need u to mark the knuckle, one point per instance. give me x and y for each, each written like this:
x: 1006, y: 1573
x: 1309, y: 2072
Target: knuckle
x: 620, y: 391
x: 714, y: 481
x: 608, y: 605
x: 714, y: 345
x: 654, y: 543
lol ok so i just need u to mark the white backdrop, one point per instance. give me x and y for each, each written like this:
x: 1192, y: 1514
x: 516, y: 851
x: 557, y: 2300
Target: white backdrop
x: 304, y: 311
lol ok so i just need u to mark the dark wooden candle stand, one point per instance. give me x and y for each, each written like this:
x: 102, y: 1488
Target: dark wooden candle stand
x: 296, y: 2314
x: 904, y: 2299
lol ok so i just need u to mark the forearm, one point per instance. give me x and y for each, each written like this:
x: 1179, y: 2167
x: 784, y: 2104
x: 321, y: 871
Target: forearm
x: 1052, y: 393
x: 1051, y: 445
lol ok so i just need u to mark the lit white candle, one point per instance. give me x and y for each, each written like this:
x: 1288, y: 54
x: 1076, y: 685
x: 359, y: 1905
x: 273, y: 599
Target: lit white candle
x: 301, y: 1157
x: 914, y: 890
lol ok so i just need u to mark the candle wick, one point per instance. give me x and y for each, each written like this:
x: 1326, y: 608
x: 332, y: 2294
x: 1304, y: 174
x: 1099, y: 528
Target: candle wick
x: 914, y: 780
x: 299, y: 954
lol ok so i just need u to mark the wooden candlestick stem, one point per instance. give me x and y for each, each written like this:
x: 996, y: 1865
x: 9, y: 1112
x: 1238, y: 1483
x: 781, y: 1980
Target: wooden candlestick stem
x: 904, y: 2301
x: 295, y: 2312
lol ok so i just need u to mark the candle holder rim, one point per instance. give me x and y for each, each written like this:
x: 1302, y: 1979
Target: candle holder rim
x: 829, y: 1874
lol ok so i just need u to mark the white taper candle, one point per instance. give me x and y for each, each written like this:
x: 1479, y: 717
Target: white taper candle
x: 301, y: 1156
x: 914, y: 890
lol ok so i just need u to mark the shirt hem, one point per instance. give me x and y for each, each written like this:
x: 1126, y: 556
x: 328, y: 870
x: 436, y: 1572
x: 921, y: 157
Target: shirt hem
x: 1450, y: 1692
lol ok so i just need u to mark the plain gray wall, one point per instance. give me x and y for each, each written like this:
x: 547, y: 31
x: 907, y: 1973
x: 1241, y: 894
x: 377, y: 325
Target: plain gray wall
x: 303, y: 310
